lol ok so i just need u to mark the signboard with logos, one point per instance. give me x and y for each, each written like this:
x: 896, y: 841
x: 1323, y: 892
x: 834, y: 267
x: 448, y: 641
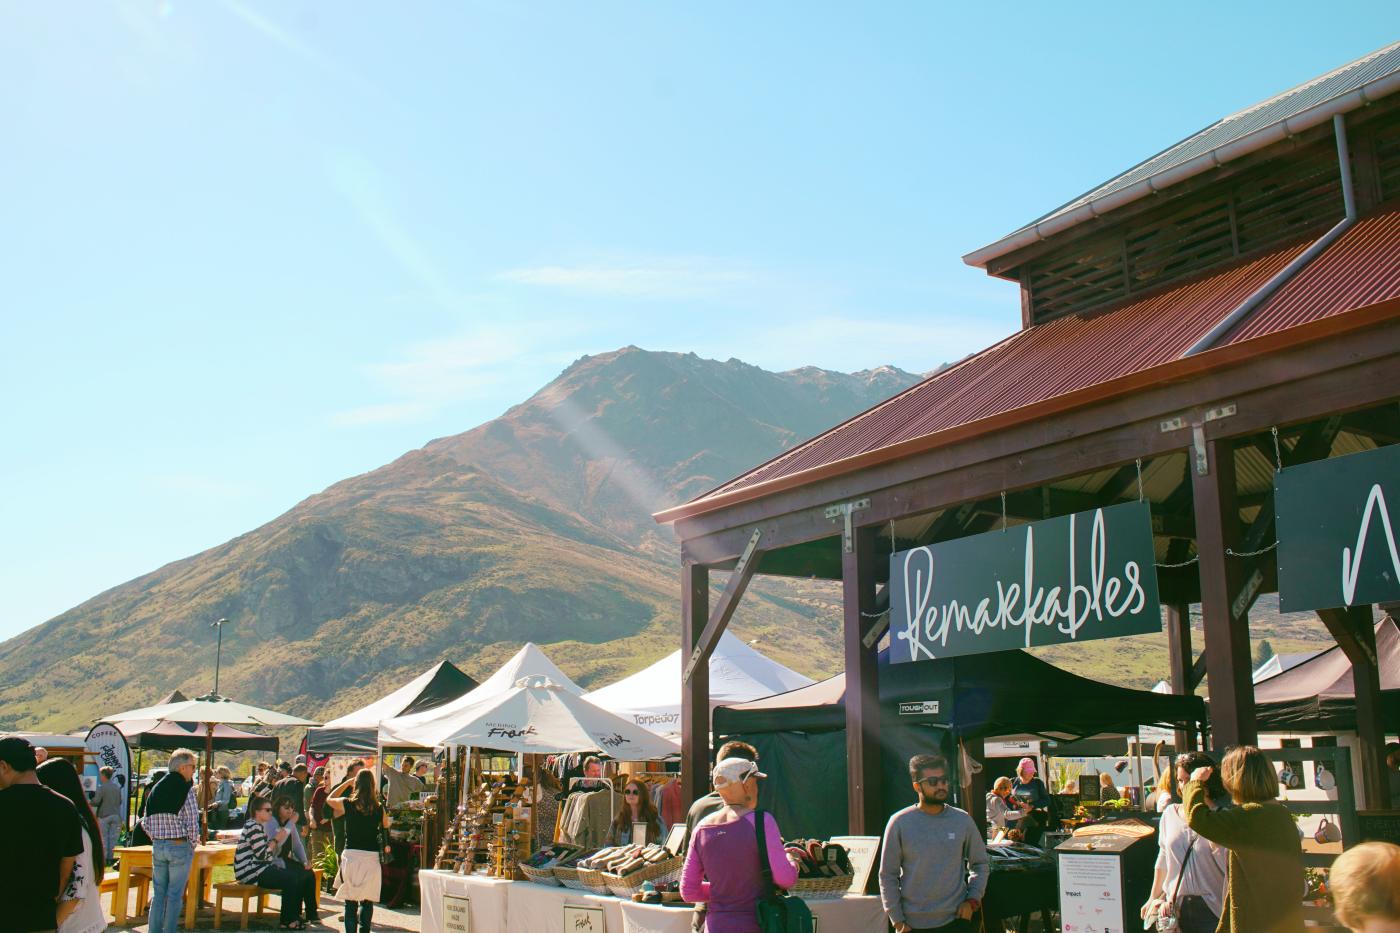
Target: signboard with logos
x: 456, y: 914
x: 1074, y: 578
x: 1338, y: 523
x: 108, y: 749
x: 584, y: 919
x: 1091, y: 894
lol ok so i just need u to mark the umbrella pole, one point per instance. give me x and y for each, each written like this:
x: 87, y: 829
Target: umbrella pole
x: 535, y: 796
x: 208, y: 763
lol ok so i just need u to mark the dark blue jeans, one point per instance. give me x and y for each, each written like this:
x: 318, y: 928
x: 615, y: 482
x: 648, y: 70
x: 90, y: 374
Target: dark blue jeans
x: 298, y: 887
x: 362, y: 911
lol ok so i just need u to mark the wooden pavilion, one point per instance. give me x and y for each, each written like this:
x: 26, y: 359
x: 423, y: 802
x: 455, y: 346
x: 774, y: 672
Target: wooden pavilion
x: 1229, y: 306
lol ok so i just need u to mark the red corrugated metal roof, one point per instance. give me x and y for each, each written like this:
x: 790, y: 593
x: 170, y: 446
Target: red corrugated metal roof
x: 1071, y: 354
x: 1361, y: 268
x: 1032, y: 365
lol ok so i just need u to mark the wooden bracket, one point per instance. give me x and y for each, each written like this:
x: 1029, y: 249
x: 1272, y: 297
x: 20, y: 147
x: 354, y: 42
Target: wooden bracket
x: 728, y: 602
x: 844, y: 511
x: 1198, y: 671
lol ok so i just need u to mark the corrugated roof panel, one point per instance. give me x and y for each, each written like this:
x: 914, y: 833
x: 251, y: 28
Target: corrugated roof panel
x: 1042, y: 362
x: 1277, y: 109
x: 1361, y: 268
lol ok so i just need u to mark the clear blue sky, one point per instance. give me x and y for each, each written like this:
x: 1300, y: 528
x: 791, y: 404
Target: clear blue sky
x: 250, y: 248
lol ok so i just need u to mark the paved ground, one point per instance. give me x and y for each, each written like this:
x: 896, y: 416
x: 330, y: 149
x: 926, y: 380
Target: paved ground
x: 403, y: 918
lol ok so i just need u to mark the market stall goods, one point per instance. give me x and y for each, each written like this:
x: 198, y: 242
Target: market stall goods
x: 491, y: 832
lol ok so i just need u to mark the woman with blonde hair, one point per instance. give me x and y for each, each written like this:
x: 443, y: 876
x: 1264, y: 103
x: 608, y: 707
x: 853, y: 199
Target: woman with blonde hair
x: 1265, y: 889
x: 1365, y: 882
x: 1002, y: 807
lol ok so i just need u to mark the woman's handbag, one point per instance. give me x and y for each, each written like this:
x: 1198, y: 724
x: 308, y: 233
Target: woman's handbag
x: 386, y: 857
x: 778, y: 911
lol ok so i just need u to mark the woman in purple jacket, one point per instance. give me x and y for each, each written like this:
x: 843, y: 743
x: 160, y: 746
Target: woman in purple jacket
x: 722, y: 870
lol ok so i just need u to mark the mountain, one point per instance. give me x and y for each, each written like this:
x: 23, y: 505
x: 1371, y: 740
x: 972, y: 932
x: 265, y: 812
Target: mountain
x: 534, y: 526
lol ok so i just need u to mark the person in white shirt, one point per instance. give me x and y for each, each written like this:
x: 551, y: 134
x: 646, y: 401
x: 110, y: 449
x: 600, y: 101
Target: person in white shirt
x: 1190, y: 876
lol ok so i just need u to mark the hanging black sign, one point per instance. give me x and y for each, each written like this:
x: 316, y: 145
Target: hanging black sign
x: 1074, y: 578
x: 1337, y: 540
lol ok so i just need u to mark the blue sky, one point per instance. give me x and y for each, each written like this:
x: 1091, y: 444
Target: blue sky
x: 252, y: 248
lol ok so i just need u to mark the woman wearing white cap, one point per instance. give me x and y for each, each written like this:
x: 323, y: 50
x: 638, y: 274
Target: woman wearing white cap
x: 722, y: 868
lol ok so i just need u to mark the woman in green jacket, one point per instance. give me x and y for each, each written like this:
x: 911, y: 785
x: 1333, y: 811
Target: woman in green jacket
x: 1265, y: 890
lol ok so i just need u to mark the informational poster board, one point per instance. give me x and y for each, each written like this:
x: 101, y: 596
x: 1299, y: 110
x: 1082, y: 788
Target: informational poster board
x: 862, y: 850
x: 584, y: 919
x: 456, y: 914
x: 1091, y: 893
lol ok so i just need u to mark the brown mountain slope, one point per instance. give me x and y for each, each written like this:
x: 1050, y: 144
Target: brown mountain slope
x: 534, y: 526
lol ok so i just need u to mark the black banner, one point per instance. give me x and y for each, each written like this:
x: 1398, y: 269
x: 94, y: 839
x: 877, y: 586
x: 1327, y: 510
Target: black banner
x: 1337, y: 540
x: 1074, y: 578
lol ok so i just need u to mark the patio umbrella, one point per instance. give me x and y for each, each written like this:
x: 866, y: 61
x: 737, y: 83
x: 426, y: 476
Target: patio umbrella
x: 210, y: 710
x: 536, y: 716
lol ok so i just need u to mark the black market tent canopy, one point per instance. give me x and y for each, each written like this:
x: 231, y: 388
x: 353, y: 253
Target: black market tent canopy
x: 801, y: 735
x: 358, y: 732
x: 980, y: 695
x: 1319, y: 694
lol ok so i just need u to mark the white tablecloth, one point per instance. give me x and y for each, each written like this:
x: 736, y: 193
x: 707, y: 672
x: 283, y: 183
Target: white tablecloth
x: 488, y: 899
x: 538, y: 908
x: 522, y: 907
x: 847, y: 915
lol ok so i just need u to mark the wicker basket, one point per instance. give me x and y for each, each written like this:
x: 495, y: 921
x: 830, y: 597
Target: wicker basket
x: 568, y: 877
x: 540, y: 875
x: 822, y: 889
x: 593, y: 881
x: 657, y: 873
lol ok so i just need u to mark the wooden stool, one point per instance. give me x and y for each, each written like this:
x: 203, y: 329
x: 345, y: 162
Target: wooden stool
x: 318, y: 873
x: 139, y: 881
x: 247, y: 892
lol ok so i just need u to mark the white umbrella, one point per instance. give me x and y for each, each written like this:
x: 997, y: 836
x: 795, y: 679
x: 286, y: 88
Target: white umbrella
x: 209, y: 710
x: 536, y: 716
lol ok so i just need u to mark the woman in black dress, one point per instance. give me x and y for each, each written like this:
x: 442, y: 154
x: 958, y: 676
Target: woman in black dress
x: 358, y: 880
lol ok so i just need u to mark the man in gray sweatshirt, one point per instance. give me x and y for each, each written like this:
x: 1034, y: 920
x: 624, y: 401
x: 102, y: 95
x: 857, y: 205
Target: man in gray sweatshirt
x: 933, y: 862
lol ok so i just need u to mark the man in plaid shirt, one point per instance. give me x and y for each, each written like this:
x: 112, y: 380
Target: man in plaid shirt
x: 172, y: 821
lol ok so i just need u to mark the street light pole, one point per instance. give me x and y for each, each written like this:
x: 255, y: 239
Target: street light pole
x: 219, y: 652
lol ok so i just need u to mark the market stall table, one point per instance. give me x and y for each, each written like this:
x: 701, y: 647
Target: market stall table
x: 849, y: 914
x: 487, y: 897
x: 498, y: 906
x: 206, y: 857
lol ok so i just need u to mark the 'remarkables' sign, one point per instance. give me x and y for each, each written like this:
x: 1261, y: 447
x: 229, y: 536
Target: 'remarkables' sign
x: 1073, y: 578
x: 1338, y: 525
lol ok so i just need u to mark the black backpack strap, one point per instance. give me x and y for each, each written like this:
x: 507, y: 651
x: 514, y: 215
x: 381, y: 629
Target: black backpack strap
x: 762, y: 832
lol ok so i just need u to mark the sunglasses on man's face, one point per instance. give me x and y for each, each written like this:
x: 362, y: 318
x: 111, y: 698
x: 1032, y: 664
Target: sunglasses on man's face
x: 939, y: 780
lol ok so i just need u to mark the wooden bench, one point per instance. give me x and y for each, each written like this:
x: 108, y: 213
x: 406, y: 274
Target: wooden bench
x: 140, y: 882
x: 249, y: 893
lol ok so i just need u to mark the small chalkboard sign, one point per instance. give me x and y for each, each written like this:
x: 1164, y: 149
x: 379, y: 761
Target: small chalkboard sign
x: 1379, y: 825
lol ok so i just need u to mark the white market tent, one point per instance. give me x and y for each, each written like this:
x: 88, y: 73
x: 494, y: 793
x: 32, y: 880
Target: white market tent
x: 536, y: 716
x: 651, y: 698
x: 529, y: 661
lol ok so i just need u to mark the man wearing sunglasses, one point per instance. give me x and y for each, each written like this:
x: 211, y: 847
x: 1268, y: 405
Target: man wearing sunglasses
x: 933, y: 862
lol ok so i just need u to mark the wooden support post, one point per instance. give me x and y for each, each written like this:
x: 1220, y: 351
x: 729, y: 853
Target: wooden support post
x: 1355, y: 632
x: 695, y: 692
x: 1179, y: 651
x: 1227, y: 652
x: 862, y: 687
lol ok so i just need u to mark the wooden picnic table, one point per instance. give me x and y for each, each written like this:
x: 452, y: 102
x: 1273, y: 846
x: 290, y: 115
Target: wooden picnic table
x: 206, y: 857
